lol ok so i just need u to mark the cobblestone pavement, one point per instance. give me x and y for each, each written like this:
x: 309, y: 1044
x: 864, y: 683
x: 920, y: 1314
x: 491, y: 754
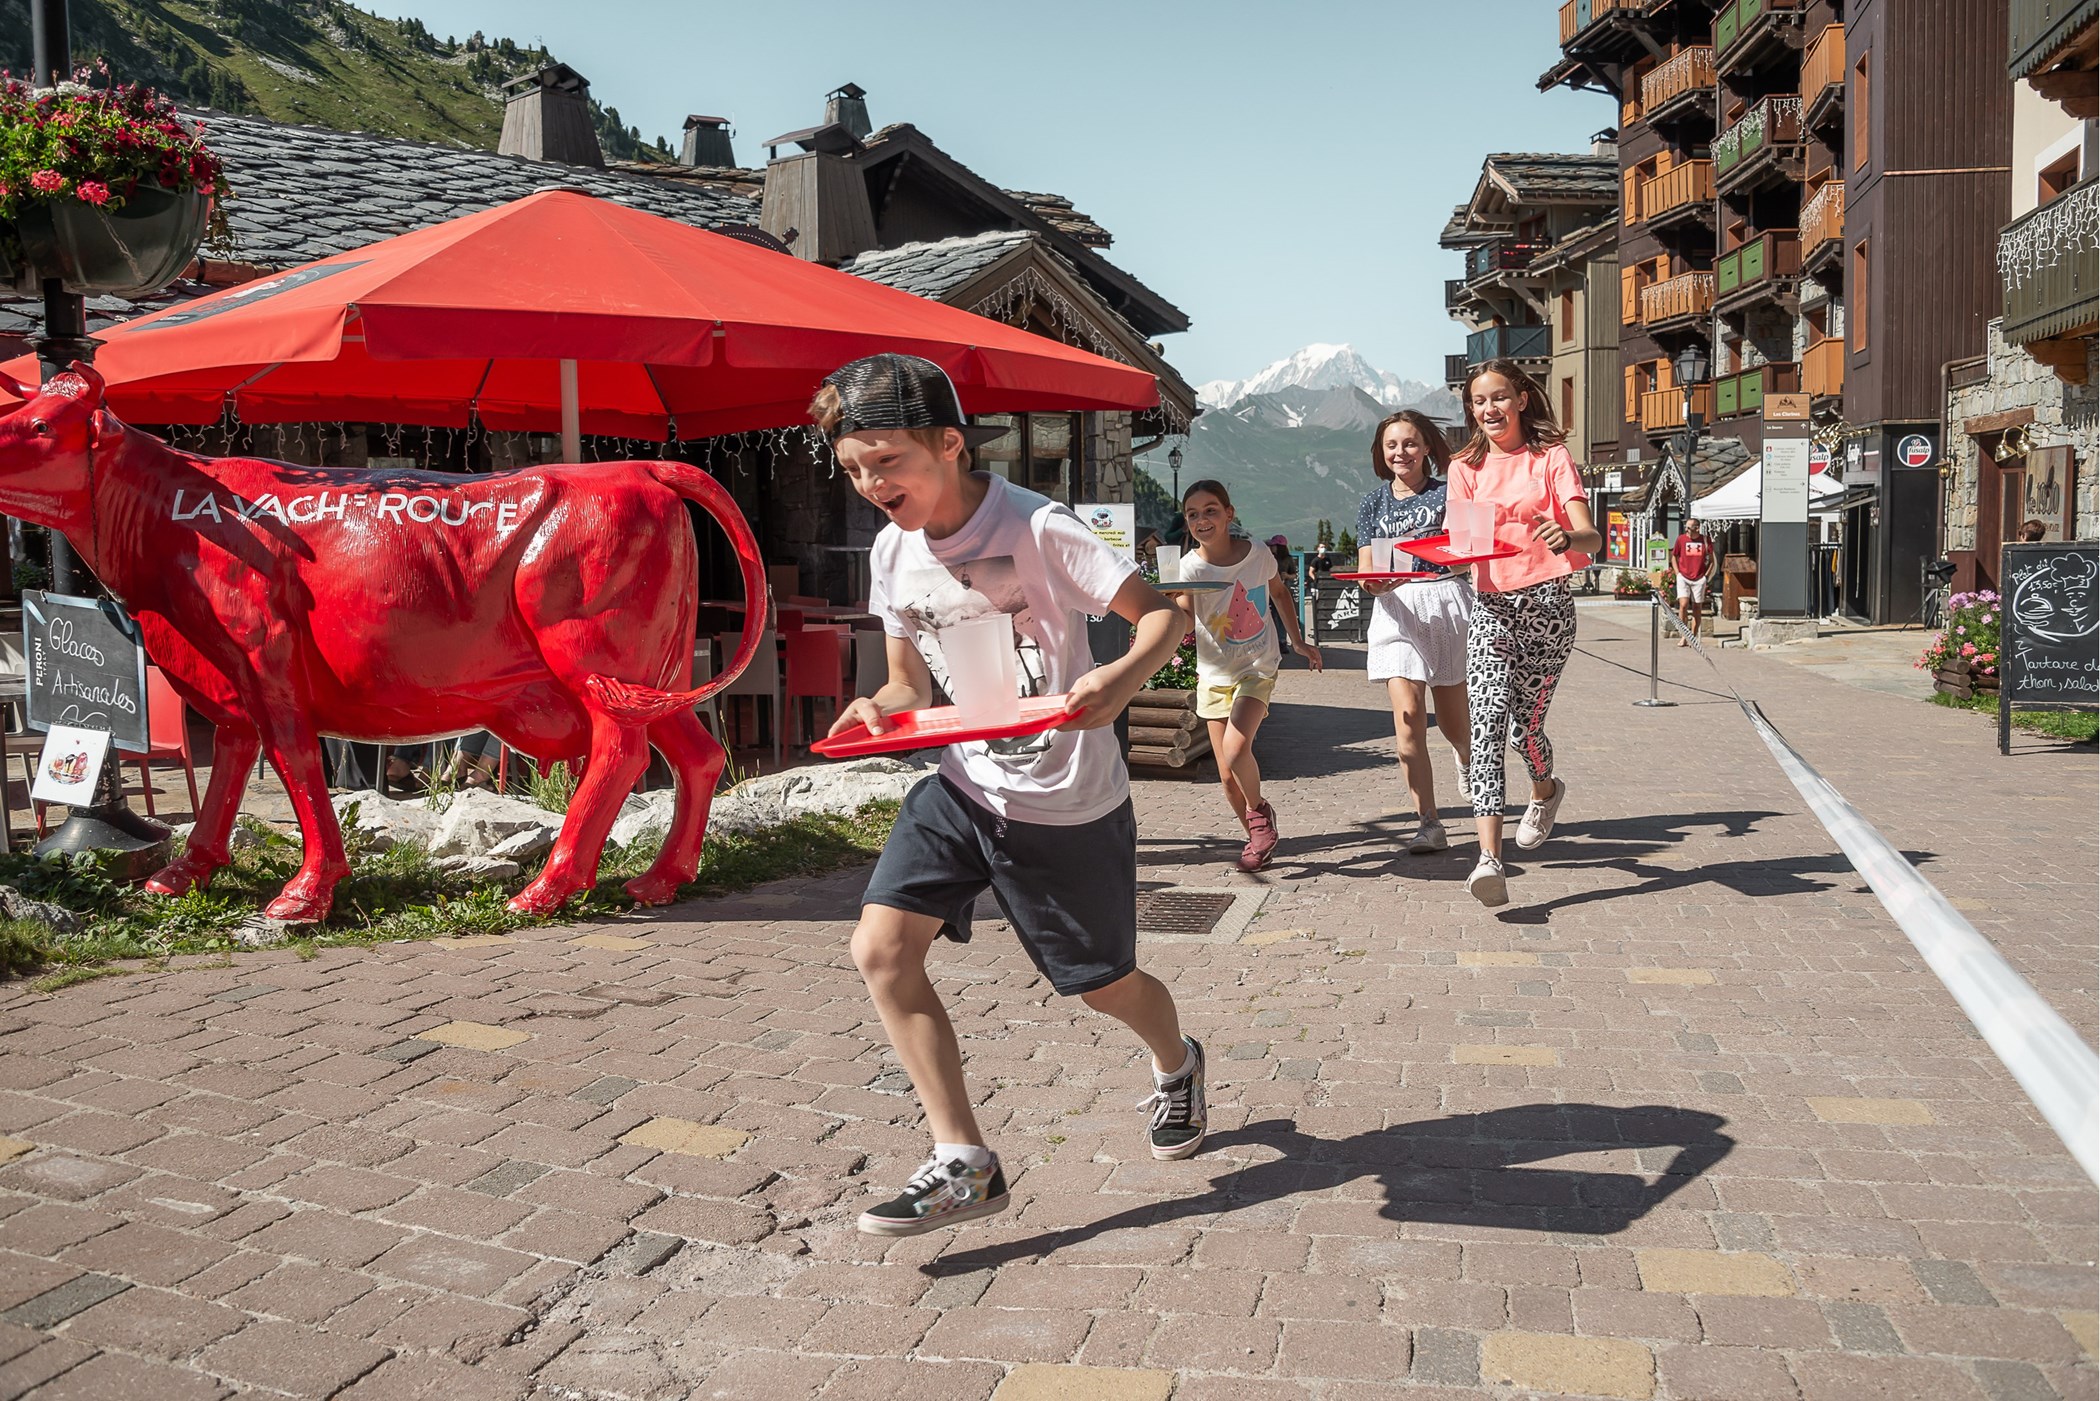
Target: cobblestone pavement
x: 1688, y: 1119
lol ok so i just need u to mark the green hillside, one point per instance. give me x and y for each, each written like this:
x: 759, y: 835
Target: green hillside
x: 317, y: 61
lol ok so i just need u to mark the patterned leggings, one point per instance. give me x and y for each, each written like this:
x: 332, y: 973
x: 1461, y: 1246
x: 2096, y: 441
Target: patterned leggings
x: 1516, y: 646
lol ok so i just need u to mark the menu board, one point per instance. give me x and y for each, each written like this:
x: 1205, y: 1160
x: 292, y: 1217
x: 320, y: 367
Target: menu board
x: 2049, y: 629
x: 86, y: 667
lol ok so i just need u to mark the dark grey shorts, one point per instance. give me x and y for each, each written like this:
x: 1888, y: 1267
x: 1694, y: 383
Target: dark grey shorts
x: 1069, y: 892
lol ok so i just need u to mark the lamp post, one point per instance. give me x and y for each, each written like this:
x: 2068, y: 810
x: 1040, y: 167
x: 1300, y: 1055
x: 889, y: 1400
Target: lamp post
x: 139, y: 845
x: 1691, y: 366
x: 1174, y: 462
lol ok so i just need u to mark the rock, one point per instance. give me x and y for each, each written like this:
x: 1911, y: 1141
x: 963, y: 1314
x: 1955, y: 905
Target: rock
x: 525, y: 845
x: 262, y: 932
x: 475, y: 822
x: 477, y: 867
x: 15, y: 905
x: 645, y: 816
x: 386, y: 822
x: 772, y: 799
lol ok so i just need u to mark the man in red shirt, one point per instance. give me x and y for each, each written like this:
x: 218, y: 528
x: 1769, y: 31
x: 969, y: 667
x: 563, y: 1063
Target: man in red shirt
x: 1692, y: 559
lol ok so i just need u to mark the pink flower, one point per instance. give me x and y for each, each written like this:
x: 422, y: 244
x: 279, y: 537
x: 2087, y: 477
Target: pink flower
x: 92, y: 192
x: 1961, y: 632
x: 49, y: 182
x: 1968, y: 649
x: 1987, y: 657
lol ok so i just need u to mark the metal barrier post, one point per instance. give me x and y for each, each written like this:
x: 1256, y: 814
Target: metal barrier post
x: 1654, y: 654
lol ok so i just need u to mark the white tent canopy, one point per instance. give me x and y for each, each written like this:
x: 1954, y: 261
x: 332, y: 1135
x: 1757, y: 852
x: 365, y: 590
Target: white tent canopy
x: 1739, y: 498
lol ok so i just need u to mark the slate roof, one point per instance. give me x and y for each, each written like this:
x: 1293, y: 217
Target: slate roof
x: 933, y: 270
x: 1555, y: 177
x: 1057, y: 211
x: 1715, y: 463
x: 306, y: 192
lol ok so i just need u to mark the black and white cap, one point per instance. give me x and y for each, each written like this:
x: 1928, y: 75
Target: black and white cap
x: 884, y: 392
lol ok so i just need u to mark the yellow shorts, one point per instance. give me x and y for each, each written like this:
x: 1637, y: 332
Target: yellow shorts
x: 1214, y: 700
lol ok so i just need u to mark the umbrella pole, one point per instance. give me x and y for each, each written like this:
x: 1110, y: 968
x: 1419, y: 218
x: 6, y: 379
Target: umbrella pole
x: 571, y: 417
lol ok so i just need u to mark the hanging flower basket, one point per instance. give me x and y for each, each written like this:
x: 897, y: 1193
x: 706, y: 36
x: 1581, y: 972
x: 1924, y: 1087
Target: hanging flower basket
x: 127, y: 252
x: 104, y: 188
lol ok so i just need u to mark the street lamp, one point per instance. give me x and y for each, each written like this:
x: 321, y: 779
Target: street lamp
x: 1691, y: 372
x: 1174, y: 462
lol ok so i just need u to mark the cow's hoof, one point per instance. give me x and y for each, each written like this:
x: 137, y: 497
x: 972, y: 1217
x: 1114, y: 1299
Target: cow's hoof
x: 298, y: 909
x: 181, y: 877
x: 649, y: 888
x: 539, y: 899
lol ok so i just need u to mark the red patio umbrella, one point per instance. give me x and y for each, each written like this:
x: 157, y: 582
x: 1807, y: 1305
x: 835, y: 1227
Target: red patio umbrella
x: 646, y: 323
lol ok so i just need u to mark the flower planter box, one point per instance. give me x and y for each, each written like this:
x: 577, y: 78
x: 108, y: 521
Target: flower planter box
x: 1956, y: 679
x: 126, y: 252
x: 1166, y: 732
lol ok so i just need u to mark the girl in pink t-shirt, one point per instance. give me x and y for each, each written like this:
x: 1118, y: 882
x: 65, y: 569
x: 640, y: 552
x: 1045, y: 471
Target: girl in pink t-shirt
x: 1523, y: 625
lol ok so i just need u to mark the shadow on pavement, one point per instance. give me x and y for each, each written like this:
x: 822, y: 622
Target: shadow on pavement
x: 1465, y: 1169
x: 1367, y: 849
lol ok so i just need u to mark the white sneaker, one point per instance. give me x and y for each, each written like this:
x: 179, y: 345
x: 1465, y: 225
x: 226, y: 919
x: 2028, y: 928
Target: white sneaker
x: 1538, y: 817
x: 1488, y: 884
x: 1427, y: 838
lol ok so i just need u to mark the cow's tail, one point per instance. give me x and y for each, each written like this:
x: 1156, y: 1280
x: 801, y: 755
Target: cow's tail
x: 631, y: 704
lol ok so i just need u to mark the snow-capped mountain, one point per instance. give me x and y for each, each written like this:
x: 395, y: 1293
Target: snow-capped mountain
x: 1321, y: 367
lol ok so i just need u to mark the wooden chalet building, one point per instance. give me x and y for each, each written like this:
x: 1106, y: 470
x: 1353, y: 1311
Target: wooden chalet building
x: 1810, y: 193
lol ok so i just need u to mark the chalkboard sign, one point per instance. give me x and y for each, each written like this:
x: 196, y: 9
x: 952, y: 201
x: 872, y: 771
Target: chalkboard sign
x: 2048, y: 630
x: 85, y: 666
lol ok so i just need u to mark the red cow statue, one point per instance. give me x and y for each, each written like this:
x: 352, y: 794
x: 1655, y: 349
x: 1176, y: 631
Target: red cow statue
x: 553, y: 606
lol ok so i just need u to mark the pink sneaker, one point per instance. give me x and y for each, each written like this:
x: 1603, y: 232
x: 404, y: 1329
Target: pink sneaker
x: 1261, y: 838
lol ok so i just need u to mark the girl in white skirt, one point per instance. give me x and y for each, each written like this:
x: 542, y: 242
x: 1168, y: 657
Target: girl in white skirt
x: 1418, y: 627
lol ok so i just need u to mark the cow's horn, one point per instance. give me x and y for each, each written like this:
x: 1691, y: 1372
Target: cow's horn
x: 87, y: 372
x: 24, y: 392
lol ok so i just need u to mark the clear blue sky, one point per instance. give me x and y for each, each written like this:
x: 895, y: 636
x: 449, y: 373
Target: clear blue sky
x: 1279, y: 171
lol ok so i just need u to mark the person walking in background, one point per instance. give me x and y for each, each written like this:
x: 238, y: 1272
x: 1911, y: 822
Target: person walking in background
x: 1692, y: 560
x: 1236, y: 654
x: 1523, y: 625
x: 1418, y: 627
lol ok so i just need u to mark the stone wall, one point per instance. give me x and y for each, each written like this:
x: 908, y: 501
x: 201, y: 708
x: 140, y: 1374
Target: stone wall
x: 1111, y: 470
x: 2063, y: 413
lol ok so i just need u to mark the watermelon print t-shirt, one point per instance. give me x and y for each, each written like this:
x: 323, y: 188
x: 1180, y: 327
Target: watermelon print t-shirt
x: 1234, y: 637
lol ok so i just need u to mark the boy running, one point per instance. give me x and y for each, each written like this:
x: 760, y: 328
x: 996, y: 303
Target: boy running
x: 1045, y: 821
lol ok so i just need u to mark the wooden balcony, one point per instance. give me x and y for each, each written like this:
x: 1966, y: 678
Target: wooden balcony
x: 1823, y: 367
x: 2046, y: 265
x: 1757, y: 264
x: 1662, y: 410
x: 1500, y: 255
x: 1745, y: 393
x: 1578, y: 15
x: 1822, y: 218
x: 1676, y: 192
x: 1745, y: 19
x: 1689, y: 294
x: 1772, y: 125
x: 1455, y: 293
x: 1509, y: 343
x: 1688, y: 71
x: 1823, y: 67
x: 2040, y: 29
x: 1455, y: 371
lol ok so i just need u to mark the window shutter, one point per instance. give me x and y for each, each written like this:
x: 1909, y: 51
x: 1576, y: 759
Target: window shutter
x: 1633, y: 392
x: 1629, y: 295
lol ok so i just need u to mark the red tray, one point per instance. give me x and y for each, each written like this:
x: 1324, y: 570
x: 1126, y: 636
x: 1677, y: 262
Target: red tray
x: 928, y: 729
x: 1437, y: 550
x: 1356, y: 575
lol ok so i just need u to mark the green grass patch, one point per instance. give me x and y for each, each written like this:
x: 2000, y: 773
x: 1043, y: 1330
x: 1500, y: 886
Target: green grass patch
x: 389, y: 895
x: 2078, y: 726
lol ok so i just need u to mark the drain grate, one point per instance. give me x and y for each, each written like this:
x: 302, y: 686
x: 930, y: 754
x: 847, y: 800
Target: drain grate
x: 1186, y: 913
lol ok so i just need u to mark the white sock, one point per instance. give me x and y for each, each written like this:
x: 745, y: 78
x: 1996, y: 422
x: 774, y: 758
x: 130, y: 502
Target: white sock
x: 974, y: 1155
x: 1188, y: 1064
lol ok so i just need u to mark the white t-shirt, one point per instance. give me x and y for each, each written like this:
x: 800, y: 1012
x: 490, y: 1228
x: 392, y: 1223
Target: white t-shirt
x: 1234, y: 635
x: 1024, y: 555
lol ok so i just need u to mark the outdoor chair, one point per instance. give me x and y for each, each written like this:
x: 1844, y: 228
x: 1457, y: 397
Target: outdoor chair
x: 871, y: 661
x: 817, y: 662
x: 759, y: 682
x: 167, y: 737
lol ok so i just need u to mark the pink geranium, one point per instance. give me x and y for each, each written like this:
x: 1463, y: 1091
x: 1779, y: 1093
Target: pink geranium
x: 48, y: 182
x: 1968, y: 649
x: 93, y: 192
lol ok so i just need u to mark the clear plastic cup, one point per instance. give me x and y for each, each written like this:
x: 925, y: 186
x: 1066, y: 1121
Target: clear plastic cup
x: 1169, y: 563
x: 981, y: 675
x: 1472, y: 526
x: 1382, y: 556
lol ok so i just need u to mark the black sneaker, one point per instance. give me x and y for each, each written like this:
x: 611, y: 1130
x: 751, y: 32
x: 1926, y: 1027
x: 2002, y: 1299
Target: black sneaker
x: 940, y: 1194
x: 1178, y: 1111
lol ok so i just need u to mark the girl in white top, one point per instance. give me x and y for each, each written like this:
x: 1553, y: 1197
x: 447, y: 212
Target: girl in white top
x: 1418, y: 627
x: 1236, y: 653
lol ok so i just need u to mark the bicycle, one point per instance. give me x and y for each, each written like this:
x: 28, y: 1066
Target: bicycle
x: 1939, y: 587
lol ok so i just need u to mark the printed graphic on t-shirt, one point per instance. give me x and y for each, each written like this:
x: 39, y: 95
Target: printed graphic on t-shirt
x: 1243, y: 619
x: 928, y: 600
